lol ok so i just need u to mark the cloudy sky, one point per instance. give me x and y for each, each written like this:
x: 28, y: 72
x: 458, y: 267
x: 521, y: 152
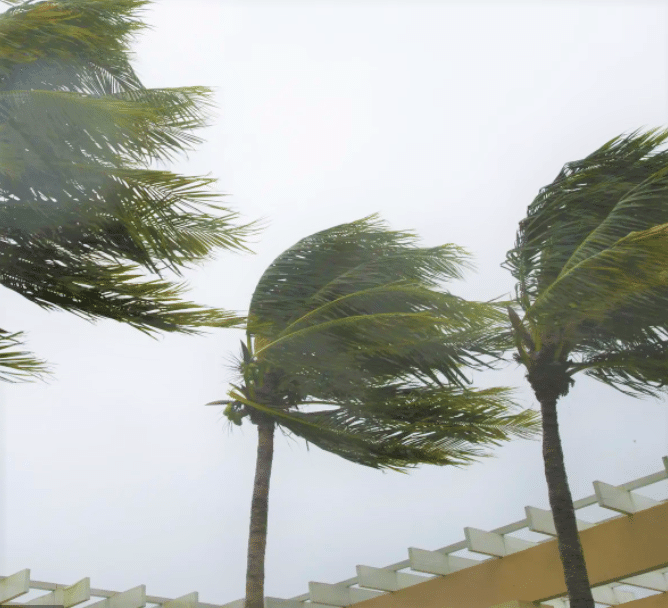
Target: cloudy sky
x: 444, y: 117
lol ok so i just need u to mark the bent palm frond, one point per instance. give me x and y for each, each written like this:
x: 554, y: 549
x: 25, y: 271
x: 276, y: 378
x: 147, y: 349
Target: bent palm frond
x: 351, y: 346
x: 18, y: 365
x: 591, y: 259
x: 85, y: 220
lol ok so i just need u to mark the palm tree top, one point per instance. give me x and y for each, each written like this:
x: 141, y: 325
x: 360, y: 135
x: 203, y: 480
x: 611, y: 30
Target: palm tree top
x: 590, y: 259
x: 351, y: 346
x: 88, y: 225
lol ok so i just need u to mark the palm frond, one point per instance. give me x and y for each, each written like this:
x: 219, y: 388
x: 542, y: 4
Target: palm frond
x: 630, y: 272
x: 352, y: 318
x: 591, y: 258
x: 18, y: 365
x: 83, y: 217
x: 582, y: 198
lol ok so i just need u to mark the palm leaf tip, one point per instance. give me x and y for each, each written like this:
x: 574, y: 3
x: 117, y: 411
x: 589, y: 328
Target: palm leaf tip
x: 19, y: 365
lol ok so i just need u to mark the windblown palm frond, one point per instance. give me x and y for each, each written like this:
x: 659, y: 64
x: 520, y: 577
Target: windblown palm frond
x: 350, y: 318
x: 591, y: 260
x: 18, y: 365
x: 84, y: 217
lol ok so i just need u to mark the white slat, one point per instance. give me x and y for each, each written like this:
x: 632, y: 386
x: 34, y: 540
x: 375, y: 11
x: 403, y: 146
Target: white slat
x: 190, y: 600
x: 132, y: 598
x: 386, y: 580
x: 435, y: 562
x: 620, y: 500
x: 656, y: 581
x: 491, y: 543
x: 541, y: 520
x: 15, y: 585
x: 610, y: 595
x: 557, y: 603
x: 339, y: 595
x: 64, y: 596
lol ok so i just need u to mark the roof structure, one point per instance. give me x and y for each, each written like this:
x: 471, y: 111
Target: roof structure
x: 626, y: 553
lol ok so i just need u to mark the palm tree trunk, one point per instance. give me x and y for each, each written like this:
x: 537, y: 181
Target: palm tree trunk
x: 561, y: 502
x: 257, y: 540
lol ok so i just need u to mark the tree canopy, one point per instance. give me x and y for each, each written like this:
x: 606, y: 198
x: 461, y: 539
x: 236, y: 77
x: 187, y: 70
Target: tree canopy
x: 85, y: 216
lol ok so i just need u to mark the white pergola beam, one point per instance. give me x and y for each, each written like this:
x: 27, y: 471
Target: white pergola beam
x: 656, y: 581
x: 15, y: 585
x: 190, y: 600
x: 64, y: 596
x: 132, y: 598
x: 541, y: 520
x: 556, y: 603
x: 434, y: 562
x: 491, y: 543
x: 386, y: 580
x: 339, y: 595
x: 620, y: 500
x: 610, y: 595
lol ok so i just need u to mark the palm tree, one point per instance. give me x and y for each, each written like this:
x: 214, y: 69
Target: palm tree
x: 350, y: 346
x: 84, y: 218
x: 590, y: 260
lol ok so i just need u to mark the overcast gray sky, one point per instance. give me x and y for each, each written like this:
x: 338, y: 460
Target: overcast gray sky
x: 446, y: 118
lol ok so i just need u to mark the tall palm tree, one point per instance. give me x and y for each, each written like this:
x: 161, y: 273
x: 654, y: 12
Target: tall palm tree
x: 84, y: 218
x: 590, y: 260
x: 350, y: 345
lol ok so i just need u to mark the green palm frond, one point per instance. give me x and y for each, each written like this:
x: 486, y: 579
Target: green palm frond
x: 578, y: 203
x: 85, y: 219
x: 591, y: 259
x: 117, y: 292
x: 18, y: 365
x: 78, y: 45
x: 351, y: 321
x: 632, y: 271
x: 403, y: 427
x: 365, y: 298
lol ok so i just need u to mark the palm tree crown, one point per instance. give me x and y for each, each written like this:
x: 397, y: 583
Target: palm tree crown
x: 350, y: 346
x: 590, y: 261
x: 83, y: 216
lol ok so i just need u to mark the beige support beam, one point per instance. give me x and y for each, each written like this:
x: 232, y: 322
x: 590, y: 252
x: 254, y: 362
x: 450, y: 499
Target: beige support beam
x: 616, y: 549
x: 14, y: 585
x: 64, y: 596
